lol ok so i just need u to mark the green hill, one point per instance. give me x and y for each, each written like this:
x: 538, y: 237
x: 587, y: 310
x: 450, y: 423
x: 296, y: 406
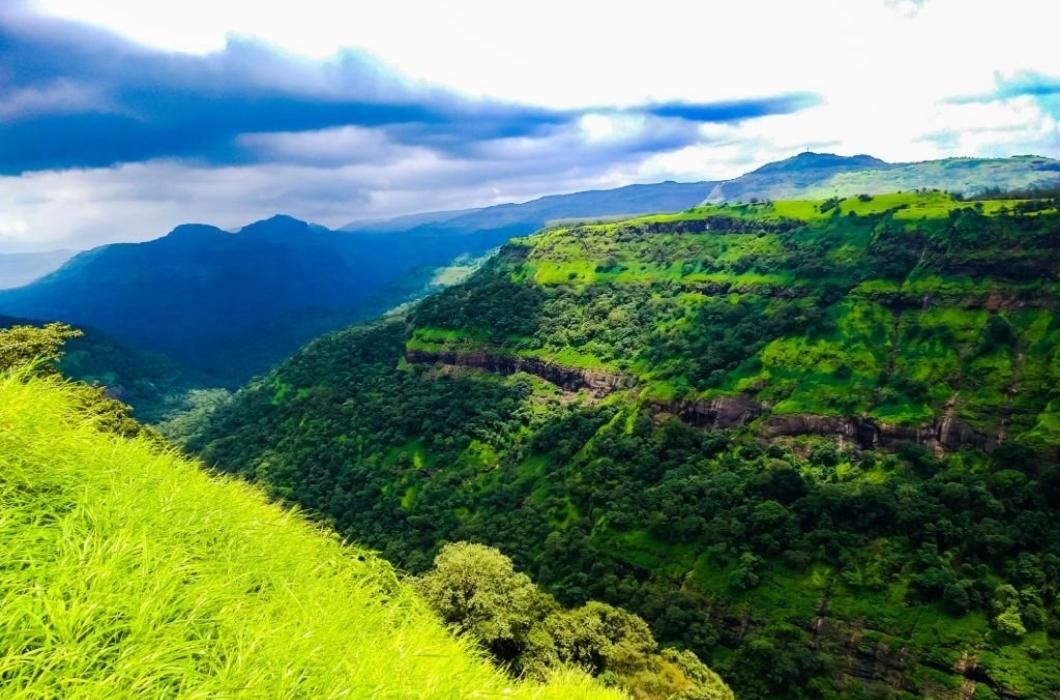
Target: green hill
x: 819, y: 175
x: 125, y: 572
x: 814, y: 441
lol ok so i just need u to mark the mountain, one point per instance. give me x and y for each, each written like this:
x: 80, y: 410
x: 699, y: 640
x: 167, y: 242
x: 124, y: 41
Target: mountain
x: 147, y: 577
x: 227, y: 305
x: 819, y: 175
x: 815, y: 442
x: 529, y: 216
x: 224, y: 306
x: 18, y: 269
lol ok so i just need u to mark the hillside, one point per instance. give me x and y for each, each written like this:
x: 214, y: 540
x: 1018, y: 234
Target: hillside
x: 814, y: 441
x: 125, y: 572
x: 147, y: 380
x: 819, y: 175
x: 223, y: 306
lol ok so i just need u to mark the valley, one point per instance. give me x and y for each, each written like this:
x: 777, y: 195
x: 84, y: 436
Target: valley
x: 468, y: 351
x: 809, y: 440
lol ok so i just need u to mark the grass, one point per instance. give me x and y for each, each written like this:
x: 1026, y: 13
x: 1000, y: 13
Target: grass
x: 127, y: 572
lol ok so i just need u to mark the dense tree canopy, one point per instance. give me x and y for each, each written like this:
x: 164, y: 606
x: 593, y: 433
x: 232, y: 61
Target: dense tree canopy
x: 888, y: 369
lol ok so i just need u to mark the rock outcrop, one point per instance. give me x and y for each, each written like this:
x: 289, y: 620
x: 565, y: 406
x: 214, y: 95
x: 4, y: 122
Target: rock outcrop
x: 944, y: 435
x: 718, y: 413
x: 598, y: 383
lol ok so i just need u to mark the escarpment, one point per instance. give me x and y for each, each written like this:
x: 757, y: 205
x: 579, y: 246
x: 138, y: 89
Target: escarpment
x: 945, y: 434
x: 721, y: 412
x: 598, y: 383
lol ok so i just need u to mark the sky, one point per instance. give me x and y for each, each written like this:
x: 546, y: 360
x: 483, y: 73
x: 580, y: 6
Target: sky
x: 120, y: 119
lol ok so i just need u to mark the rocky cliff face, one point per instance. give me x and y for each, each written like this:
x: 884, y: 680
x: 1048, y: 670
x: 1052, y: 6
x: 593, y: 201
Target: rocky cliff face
x: 946, y: 434
x: 718, y: 413
x: 943, y: 435
x: 598, y: 383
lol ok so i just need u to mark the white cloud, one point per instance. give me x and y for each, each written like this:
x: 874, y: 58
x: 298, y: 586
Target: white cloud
x: 596, y: 52
x: 887, y: 71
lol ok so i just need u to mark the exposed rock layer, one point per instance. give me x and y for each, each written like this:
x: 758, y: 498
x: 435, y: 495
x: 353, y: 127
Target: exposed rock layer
x: 599, y: 383
x: 946, y: 434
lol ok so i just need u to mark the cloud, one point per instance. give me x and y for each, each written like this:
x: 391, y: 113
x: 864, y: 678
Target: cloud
x: 735, y: 110
x: 1028, y: 83
x: 80, y: 97
x: 128, y: 118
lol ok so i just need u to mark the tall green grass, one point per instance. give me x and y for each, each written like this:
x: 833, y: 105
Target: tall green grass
x: 129, y: 573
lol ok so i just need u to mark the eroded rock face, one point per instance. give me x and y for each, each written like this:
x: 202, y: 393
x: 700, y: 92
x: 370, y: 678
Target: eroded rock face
x: 717, y: 413
x: 599, y: 383
x: 944, y: 435
x: 993, y: 300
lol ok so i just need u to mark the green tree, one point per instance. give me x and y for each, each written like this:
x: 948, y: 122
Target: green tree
x: 477, y: 588
x: 596, y: 637
x: 24, y: 345
x: 1007, y: 616
x: 40, y: 348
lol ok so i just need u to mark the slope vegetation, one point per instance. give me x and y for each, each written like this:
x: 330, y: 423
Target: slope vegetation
x: 125, y: 572
x: 814, y: 441
x: 818, y: 175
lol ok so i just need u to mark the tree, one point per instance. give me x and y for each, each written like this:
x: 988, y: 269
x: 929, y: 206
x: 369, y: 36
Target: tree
x: 596, y: 637
x: 1007, y: 617
x: 705, y: 683
x: 477, y: 588
x: 24, y: 345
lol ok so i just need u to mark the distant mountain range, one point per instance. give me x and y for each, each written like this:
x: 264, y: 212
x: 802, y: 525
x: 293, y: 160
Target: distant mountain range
x: 532, y: 215
x: 225, y: 306
x: 819, y: 175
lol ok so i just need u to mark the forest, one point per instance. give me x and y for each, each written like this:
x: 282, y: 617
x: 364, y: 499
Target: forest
x: 815, y: 443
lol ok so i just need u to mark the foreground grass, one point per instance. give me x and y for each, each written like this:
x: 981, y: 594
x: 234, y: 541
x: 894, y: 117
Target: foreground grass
x: 129, y: 573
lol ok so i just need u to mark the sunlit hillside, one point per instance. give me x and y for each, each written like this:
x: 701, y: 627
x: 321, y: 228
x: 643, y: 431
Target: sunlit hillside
x: 125, y: 572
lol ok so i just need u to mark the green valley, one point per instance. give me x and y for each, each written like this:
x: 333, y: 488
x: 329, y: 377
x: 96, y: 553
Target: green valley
x: 815, y: 441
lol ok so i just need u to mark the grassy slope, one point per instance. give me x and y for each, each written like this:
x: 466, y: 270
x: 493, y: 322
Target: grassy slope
x: 128, y: 573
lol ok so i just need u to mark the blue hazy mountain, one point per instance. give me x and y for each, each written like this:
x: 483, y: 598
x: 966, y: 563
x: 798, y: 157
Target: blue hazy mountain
x: 530, y: 216
x: 227, y: 305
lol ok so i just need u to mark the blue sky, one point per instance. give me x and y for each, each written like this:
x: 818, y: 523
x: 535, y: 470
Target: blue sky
x: 120, y: 119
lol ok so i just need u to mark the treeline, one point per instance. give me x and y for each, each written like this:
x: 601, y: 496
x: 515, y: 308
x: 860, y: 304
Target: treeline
x: 478, y: 590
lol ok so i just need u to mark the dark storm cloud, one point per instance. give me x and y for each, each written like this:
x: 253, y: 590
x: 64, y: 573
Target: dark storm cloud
x: 74, y: 96
x: 736, y: 110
